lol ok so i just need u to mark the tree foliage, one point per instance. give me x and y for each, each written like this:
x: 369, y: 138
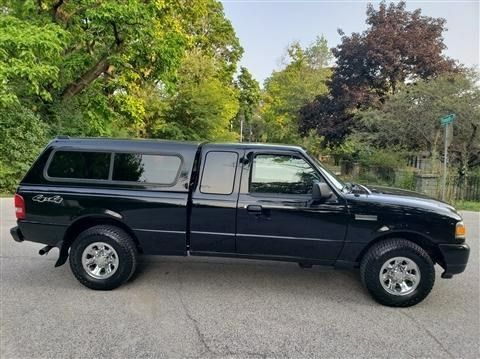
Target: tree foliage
x: 29, y: 58
x: 398, y: 46
x: 22, y: 136
x: 410, y: 119
x: 203, y: 105
x: 168, y: 69
x: 302, y: 79
x: 119, y: 68
x: 249, y: 99
x: 102, y: 53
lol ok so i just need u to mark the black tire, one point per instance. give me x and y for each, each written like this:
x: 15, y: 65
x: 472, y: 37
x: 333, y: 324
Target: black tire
x: 121, y: 242
x: 380, y: 253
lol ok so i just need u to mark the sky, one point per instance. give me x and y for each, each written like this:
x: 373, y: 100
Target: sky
x: 266, y: 27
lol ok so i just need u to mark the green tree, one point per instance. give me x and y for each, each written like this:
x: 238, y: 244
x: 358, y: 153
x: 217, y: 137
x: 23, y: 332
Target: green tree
x: 249, y: 98
x: 112, y: 68
x: 410, y: 119
x: 302, y: 79
x: 29, y: 59
x: 89, y: 59
x: 370, y: 66
x: 22, y: 136
x: 214, y: 35
x: 318, y: 54
x: 203, y: 105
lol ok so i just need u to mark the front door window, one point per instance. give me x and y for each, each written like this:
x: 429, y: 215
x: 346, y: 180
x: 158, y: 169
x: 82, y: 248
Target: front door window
x: 282, y: 174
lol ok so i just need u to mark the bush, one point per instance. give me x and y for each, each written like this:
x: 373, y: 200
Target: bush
x: 382, y: 158
x: 22, y: 136
x: 404, y: 178
x: 314, y: 143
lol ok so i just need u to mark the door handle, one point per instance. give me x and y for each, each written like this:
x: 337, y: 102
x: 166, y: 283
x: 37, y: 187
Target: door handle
x: 254, y: 208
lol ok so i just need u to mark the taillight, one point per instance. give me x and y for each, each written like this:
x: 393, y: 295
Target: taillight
x: 19, y: 207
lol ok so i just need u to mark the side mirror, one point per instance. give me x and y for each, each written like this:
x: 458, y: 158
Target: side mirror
x: 321, y: 191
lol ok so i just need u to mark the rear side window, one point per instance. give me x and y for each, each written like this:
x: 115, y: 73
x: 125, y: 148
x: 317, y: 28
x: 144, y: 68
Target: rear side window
x: 80, y: 165
x: 219, y: 173
x: 135, y: 167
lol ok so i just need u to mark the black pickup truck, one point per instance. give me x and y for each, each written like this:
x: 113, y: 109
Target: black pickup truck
x: 103, y: 202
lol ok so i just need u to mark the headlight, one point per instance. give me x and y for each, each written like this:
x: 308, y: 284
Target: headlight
x: 460, y: 231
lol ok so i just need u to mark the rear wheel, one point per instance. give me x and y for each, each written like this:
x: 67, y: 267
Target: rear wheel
x: 397, y: 273
x: 103, y: 257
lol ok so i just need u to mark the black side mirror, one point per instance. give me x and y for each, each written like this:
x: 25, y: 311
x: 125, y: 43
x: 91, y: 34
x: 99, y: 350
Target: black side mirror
x: 321, y: 191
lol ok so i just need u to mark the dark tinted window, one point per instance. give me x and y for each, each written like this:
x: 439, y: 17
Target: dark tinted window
x: 135, y: 167
x: 219, y: 173
x: 282, y: 174
x: 80, y: 165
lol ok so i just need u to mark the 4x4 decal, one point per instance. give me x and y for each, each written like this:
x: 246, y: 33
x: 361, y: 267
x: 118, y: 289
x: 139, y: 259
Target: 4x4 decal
x: 40, y: 198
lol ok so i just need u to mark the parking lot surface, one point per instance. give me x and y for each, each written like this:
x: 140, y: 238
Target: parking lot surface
x: 206, y: 307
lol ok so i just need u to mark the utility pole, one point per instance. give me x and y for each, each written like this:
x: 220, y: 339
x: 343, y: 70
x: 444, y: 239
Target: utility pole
x: 446, y: 122
x: 241, y: 129
x: 242, y: 120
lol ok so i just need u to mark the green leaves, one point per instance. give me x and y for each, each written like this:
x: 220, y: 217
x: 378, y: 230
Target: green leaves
x: 303, y: 78
x: 249, y: 97
x: 203, y: 105
x: 30, y: 57
x: 161, y: 68
x: 22, y: 136
x: 95, y: 56
x: 398, y: 46
x: 410, y: 118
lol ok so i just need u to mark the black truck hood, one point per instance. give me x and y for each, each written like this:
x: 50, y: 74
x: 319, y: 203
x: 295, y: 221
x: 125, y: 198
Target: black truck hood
x: 398, y: 192
x: 410, y: 199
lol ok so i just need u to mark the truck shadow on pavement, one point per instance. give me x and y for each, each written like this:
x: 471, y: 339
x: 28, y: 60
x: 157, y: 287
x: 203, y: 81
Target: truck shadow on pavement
x: 257, y: 278
x: 203, y: 277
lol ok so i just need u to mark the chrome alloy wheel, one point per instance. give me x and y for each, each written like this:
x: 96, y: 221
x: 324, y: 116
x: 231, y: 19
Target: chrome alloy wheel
x: 399, y: 276
x: 100, y: 260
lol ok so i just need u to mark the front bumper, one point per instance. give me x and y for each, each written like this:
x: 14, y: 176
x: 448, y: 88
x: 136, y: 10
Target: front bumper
x: 455, y: 257
x: 17, y: 234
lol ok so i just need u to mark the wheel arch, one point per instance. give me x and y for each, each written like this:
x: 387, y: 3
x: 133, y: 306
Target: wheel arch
x: 420, y: 239
x: 84, y: 223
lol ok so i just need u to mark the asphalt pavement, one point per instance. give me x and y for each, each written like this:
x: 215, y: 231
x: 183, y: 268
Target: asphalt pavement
x: 209, y: 307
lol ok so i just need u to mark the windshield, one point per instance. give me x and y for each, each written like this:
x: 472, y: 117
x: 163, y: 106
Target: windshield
x: 337, y: 182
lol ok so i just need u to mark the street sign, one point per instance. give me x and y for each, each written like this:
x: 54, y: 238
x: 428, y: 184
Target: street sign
x: 445, y: 120
x: 449, y: 135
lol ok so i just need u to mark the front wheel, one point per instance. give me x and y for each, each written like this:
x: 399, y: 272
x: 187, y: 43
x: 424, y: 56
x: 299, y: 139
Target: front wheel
x: 103, y: 257
x: 397, y: 273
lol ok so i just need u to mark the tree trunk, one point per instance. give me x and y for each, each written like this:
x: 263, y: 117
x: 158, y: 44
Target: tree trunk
x: 86, y: 79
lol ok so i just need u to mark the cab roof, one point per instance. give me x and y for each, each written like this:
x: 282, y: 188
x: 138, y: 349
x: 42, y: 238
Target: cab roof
x: 150, y: 144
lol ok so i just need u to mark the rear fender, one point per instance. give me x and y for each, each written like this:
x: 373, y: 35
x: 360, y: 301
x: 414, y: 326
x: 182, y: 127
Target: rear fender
x: 87, y: 221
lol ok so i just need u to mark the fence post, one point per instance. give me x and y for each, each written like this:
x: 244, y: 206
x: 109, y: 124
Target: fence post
x: 427, y: 184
